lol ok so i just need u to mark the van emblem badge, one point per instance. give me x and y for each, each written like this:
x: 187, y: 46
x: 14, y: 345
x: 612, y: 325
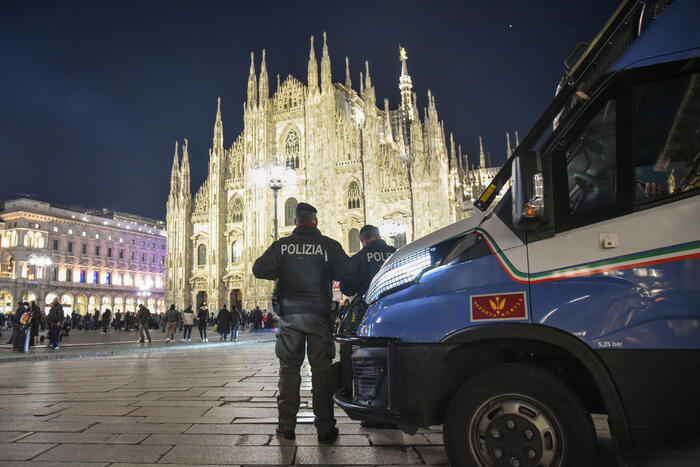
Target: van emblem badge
x: 498, y: 307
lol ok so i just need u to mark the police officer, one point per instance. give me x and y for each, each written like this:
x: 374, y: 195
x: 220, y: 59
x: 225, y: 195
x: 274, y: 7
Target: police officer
x: 364, y: 266
x: 304, y: 264
x: 366, y: 263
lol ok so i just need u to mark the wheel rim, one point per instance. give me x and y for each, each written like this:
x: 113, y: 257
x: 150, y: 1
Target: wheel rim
x: 514, y: 430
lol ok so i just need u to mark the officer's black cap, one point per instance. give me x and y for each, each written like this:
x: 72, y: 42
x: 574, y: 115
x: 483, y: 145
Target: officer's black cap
x: 306, y: 207
x: 368, y: 228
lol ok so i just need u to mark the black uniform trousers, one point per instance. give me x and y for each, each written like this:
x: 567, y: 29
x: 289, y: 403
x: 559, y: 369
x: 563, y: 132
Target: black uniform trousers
x: 296, y: 331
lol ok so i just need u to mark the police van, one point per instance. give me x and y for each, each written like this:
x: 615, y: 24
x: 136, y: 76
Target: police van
x: 578, y: 292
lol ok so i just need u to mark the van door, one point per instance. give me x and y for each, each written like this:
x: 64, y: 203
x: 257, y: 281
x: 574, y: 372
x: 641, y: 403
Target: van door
x: 623, y: 269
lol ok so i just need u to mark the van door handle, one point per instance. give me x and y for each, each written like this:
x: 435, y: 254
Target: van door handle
x: 609, y: 240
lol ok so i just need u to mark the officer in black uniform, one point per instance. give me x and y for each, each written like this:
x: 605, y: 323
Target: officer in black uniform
x: 366, y: 263
x: 304, y: 264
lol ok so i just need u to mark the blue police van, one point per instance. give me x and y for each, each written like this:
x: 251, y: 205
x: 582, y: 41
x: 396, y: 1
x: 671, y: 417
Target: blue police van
x: 577, y: 291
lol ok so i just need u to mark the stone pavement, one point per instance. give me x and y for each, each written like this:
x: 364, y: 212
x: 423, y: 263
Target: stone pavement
x: 189, y: 407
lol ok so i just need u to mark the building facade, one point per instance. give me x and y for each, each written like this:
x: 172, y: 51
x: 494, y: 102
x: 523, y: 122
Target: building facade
x: 88, y: 259
x: 358, y: 161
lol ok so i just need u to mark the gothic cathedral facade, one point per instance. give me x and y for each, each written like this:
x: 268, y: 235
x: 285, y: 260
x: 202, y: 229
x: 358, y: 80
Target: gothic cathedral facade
x: 357, y: 162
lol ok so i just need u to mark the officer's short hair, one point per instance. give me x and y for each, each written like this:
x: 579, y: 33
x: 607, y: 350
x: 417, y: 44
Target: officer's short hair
x: 305, y: 213
x: 368, y: 232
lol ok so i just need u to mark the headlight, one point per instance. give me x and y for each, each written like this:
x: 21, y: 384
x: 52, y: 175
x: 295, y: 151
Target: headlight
x: 399, y: 273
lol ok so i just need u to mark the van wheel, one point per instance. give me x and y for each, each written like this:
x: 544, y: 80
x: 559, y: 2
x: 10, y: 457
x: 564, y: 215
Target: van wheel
x: 516, y: 415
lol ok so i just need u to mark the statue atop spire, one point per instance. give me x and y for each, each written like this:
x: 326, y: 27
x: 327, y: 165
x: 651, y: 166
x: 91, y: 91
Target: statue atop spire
x: 405, y: 86
x: 312, y: 76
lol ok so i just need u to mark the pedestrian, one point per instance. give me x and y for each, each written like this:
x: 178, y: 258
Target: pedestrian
x: 223, y: 321
x: 171, y: 319
x: 96, y: 319
x: 304, y: 265
x: 55, y: 318
x: 36, y: 320
x: 202, y: 317
x: 235, y: 322
x: 106, y: 319
x: 142, y: 317
x: 17, y: 338
x: 188, y: 322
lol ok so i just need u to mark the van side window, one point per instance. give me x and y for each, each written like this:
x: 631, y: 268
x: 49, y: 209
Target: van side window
x: 667, y: 138
x: 591, y: 163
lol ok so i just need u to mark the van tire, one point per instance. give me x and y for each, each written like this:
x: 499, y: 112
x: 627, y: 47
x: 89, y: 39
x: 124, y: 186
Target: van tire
x: 492, y: 415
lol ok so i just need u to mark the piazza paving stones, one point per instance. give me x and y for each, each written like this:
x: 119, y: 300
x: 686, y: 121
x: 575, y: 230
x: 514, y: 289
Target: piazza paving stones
x: 205, y: 406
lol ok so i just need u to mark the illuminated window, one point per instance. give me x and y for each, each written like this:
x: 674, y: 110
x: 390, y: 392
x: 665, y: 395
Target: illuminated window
x: 201, y: 255
x: 69, y: 275
x: 55, y: 229
x: 290, y: 211
x: 108, y: 279
x: 236, y: 210
x: 354, y: 201
x: 97, y: 236
x: 354, y: 240
x: 291, y: 148
x: 236, y: 252
x: 70, y: 231
x: 94, y: 277
x: 84, y: 234
x: 82, y: 276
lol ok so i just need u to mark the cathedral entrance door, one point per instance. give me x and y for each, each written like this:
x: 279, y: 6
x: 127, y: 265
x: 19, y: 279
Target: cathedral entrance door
x: 201, y: 298
x: 236, y: 298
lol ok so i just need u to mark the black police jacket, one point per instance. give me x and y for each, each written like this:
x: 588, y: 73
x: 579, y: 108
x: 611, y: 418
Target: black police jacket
x: 304, y: 265
x: 364, y: 265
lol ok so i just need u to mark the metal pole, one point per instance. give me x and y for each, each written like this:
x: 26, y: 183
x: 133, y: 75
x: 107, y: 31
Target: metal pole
x: 275, y: 190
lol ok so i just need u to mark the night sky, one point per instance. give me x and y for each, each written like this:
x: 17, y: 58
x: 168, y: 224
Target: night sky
x: 94, y: 94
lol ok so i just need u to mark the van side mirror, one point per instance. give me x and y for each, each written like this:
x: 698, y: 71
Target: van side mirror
x: 527, y: 191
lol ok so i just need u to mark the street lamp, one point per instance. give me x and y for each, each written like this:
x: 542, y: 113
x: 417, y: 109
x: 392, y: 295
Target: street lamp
x: 39, y: 262
x: 392, y: 230
x: 275, y: 177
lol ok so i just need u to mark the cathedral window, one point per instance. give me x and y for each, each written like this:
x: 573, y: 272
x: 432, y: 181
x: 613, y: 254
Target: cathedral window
x: 236, y: 210
x: 201, y: 255
x: 290, y: 211
x: 354, y: 241
x: 354, y: 201
x: 236, y: 252
x: 291, y: 148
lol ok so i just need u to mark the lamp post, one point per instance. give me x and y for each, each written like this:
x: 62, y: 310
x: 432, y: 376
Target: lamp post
x: 275, y: 176
x: 392, y: 229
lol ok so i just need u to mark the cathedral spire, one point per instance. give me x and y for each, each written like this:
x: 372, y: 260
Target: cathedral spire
x: 348, y: 82
x: 405, y: 86
x: 517, y: 140
x: 453, y: 156
x: 509, y: 151
x: 326, y: 80
x: 263, y: 84
x: 368, y: 80
x: 362, y: 84
x: 185, y: 171
x: 252, y: 84
x: 218, y: 141
x: 387, y: 128
x: 312, y: 77
x: 482, y: 156
x: 175, y: 174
